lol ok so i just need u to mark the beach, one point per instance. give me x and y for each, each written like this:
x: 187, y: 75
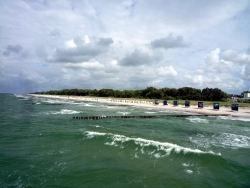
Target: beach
x: 206, y: 110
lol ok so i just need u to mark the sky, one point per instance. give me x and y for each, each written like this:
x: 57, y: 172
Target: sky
x: 124, y: 44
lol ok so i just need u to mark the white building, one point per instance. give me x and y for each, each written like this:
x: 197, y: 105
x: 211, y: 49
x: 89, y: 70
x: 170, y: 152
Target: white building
x: 246, y: 95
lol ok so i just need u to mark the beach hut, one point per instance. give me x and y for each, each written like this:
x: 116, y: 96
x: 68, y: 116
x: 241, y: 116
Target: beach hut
x: 165, y: 102
x: 187, y: 103
x: 216, y: 106
x: 156, y: 102
x: 200, y: 104
x: 175, y: 103
x: 235, y: 107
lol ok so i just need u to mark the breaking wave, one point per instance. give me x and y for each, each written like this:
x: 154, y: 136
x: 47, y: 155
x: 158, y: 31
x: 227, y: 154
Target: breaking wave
x: 64, y: 111
x: 222, y: 140
x: 153, y: 148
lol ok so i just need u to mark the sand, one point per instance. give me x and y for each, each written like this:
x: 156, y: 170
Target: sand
x: 207, y: 110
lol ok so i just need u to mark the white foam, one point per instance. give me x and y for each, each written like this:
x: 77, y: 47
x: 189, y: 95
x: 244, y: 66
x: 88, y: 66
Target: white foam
x: 223, y: 140
x: 123, y: 113
x: 197, y: 120
x: 164, y: 111
x: 88, y: 104
x: 234, y: 118
x: 150, y: 112
x: 161, y: 149
x: 93, y: 134
x: 233, y: 140
x: 64, y: 111
x: 189, y: 171
x: 22, y: 96
x: 185, y: 164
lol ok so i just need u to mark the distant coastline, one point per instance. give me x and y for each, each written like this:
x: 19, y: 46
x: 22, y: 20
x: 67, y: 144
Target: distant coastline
x: 206, y: 110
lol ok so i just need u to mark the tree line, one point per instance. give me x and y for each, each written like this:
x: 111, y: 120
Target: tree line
x: 184, y: 93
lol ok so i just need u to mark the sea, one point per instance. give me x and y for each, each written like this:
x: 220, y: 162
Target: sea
x: 42, y: 145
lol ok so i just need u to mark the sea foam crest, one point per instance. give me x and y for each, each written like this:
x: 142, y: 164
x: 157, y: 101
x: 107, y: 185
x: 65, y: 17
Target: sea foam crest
x: 234, y: 118
x: 233, y: 140
x: 150, y: 112
x: 154, y: 148
x: 123, y: 113
x: 222, y: 140
x: 64, y: 111
x: 23, y: 97
x: 197, y: 120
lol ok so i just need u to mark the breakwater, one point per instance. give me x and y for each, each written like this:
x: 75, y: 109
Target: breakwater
x: 142, y: 117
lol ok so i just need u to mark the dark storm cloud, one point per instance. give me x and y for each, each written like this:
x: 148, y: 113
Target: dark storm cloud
x: 169, y: 42
x: 81, y: 51
x: 78, y: 54
x: 12, y: 49
x: 136, y: 58
x: 6, y: 53
x: 105, y: 41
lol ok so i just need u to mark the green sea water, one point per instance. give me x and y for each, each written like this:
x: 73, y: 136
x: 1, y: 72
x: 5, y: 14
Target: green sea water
x: 41, y: 145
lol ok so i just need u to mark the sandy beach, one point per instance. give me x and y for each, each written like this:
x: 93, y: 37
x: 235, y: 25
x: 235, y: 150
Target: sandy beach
x: 207, y: 110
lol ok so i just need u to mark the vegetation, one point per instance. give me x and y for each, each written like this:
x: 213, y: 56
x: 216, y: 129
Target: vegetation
x: 184, y: 93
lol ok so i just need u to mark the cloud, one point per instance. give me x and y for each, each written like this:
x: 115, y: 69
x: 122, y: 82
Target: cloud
x: 85, y: 45
x: 78, y: 50
x: 112, y: 67
x: 105, y: 41
x: 169, y: 42
x: 248, y: 51
x: 136, y: 58
x: 217, y: 65
x: 167, y: 71
x: 12, y: 49
x: 55, y: 33
x: 246, y: 72
x: 92, y: 65
x: 217, y: 72
x: 233, y: 56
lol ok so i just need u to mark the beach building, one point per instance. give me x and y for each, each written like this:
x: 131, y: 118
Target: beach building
x: 246, y: 95
x: 234, y: 97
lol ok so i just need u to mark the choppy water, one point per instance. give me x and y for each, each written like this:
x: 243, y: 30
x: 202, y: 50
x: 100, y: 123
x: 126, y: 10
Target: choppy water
x: 42, y: 146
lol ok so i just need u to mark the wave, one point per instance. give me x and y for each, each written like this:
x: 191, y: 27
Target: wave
x: 22, y: 97
x: 197, y: 120
x: 234, y: 118
x: 233, y: 140
x: 19, y: 95
x: 150, y: 112
x: 222, y: 140
x: 153, y: 148
x: 123, y: 113
x: 64, y: 111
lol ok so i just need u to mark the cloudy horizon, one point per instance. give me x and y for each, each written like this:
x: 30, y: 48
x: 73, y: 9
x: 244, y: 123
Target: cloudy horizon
x: 132, y: 44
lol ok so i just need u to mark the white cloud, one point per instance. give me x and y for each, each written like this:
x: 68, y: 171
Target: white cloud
x: 233, y: 56
x: 69, y: 44
x: 91, y: 65
x: 167, y: 71
x: 86, y: 39
x: 129, y: 44
x: 215, y: 64
x: 78, y: 50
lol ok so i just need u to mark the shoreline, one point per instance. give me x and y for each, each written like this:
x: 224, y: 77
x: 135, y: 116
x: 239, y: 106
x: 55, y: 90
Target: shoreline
x: 207, y: 110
